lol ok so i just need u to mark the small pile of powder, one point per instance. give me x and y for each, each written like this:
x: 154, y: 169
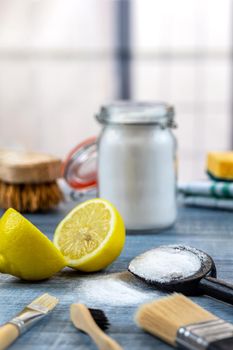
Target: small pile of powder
x: 114, y: 289
x: 167, y: 263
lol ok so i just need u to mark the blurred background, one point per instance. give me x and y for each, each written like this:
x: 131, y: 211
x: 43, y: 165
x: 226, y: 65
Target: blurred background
x: 61, y: 59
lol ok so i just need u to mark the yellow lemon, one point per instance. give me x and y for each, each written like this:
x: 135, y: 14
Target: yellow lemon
x: 91, y: 236
x: 25, y: 251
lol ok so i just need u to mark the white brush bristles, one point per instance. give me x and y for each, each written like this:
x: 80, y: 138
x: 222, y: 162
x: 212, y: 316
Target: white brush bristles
x: 44, y: 303
x: 164, y: 317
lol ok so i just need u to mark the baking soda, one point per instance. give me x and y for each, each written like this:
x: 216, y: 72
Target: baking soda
x: 167, y: 263
x: 136, y: 173
x: 115, y: 289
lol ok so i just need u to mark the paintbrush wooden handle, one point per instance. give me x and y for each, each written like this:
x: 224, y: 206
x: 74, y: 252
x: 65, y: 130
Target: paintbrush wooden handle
x: 83, y: 320
x: 8, y: 334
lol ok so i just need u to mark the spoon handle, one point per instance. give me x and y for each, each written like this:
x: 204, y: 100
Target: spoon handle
x: 217, y: 289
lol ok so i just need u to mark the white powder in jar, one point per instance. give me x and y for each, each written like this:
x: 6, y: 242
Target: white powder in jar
x: 136, y: 173
x: 166, y: 263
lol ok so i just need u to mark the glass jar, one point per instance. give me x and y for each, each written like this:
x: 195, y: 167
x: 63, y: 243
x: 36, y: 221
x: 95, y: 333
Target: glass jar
x: 137, y: 163
x: 132, y: 163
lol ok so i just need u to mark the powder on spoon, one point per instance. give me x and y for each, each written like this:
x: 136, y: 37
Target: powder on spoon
x: 167, y: 263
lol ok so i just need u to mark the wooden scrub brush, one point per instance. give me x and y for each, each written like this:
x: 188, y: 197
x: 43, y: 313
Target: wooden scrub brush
x: 93, y: 322
x: 28, y: 181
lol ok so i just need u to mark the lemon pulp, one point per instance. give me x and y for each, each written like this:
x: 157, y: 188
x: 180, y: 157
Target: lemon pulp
x: 91, y: 236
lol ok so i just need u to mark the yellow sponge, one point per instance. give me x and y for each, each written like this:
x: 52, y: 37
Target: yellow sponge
x: 220, y: 165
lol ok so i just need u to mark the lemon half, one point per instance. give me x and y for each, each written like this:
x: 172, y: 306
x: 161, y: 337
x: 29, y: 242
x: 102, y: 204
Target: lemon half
x: 25, y: 251
x: 91, y: 236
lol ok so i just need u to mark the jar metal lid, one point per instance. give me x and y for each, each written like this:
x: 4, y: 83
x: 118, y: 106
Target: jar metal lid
x: 131, y: 112
x: 80, y: 166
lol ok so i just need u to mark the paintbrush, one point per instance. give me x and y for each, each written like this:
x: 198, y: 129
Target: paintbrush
x: 32, y: 313
x: 182, y: 323
x: 93, y: 322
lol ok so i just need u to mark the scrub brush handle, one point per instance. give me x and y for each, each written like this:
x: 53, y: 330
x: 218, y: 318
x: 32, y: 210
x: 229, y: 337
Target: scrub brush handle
x: 83, y: 320
x: 102, y: 340
x: 8, y: 334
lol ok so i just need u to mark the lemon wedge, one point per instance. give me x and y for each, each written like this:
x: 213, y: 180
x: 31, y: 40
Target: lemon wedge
x: 91, y: 236
x: 25, y: 251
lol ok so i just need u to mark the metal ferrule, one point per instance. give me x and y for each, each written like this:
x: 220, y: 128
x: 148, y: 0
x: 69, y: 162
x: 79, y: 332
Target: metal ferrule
x: 199, y: 336
x: 26, y: 318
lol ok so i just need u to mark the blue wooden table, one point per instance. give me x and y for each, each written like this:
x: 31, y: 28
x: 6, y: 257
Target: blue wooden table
x: 209, y: 230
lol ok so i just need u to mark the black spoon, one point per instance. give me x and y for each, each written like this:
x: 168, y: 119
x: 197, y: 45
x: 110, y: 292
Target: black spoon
x: 201, y: 281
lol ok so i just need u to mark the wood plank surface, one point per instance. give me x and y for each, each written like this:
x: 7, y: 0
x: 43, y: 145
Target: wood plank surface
x: 209, y: 230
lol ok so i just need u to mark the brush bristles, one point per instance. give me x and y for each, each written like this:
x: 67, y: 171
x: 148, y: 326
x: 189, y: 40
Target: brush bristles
x: 44, y: 303
x: 100, y: 318
x: 30, y: 197
x: 164, y: 317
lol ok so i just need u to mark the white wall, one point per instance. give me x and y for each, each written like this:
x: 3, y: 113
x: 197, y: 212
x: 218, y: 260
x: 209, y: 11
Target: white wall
x: 57, y: 68
x: 183, y: 54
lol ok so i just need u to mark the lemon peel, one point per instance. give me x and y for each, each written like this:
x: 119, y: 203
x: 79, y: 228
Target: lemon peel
x: 25, y: 251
